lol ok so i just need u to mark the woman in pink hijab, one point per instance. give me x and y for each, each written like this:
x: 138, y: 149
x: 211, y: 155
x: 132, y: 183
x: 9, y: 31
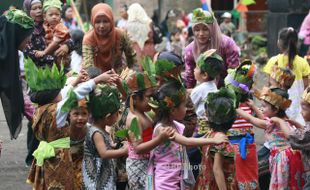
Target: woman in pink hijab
x: 207, y: 35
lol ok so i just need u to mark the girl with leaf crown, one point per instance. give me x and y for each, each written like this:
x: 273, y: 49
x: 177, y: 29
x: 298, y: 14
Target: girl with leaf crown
x: 140, y: 128
x: 99, y: 166
x: 49, y: 123
x: 241, y: 134
x: 274, y: 103
x: 168, y: 161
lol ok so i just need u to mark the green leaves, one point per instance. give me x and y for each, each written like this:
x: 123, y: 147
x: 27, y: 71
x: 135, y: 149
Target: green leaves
x: 21, y: 18
x: 149, y: 67
x: 134, y: 128
x: 71, y: 102
x: 45, y: 78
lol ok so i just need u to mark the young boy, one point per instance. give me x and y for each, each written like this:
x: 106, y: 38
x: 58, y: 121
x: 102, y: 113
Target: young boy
x: 52, y: 167
x: 209, y: 65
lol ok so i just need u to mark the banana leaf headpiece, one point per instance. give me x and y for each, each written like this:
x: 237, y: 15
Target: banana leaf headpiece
x: 20, y: 17
x: 306, y: 95
x: 201, y: 16
x: 46, y: 78
x: 139, y: 81
x: 284, y: 77
x: 51, y: 3
x: 206, y: 64
x: 241, y: 79
x: 273, y: 98
x: 222, y: 106
x: 103, y: 101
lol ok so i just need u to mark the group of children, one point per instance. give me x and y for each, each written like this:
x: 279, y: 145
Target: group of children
x: 76, y: 119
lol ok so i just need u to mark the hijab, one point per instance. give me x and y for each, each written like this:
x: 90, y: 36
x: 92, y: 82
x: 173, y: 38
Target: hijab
x: 38, y: 27
x: 215, y: 37
x: 138, y: 24
x: 103, y: 47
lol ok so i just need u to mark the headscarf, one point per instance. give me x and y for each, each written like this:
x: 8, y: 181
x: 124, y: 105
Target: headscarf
x: 103, y: 46
x: 28, y: 3
x: 51, y: 3
x: 207, y: 18
x: 138, y: 24
x: 14, y: 29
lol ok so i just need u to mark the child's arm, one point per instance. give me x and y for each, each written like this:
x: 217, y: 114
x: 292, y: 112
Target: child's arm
x: 218, y: 171
x: 217, y: 139
x: 282, y: 125
x: 48, y: 50
x: 104, y: 152
x: 260, y: 123
x: 258, y: 112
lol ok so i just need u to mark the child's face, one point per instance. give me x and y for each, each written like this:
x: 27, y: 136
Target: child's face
x: 69, y: 13
x: 268, y: 110
x: 305, y: 110
x: 200, y: 77
x: 143, y: 104
x: 112, y: 119
x: 102, y: 25
x: 52, y: 16
x: 201, y: 33
x: 178, y: 113
x: 78, y: 117
x: 36, y: 12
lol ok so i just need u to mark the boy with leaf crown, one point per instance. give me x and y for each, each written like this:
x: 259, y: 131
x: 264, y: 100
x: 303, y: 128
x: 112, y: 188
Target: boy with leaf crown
x: 49, y: 123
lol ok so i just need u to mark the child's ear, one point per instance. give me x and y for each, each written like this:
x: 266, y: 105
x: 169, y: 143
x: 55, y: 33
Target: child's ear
x: 204, y: 76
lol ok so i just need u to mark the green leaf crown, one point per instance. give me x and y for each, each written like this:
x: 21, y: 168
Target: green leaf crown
x: 212, y: 69
x: 44, y: 78
x: 20, y: 17
x: 200, y: 15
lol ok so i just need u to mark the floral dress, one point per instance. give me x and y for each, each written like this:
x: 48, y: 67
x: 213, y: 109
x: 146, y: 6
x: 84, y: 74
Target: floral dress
x: 286, y: 166
x: 98, y: 173
x: 206, y: 179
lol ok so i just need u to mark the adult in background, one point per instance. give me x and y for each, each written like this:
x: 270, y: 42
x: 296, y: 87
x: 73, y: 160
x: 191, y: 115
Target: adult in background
x: 104, y: 45
x: 139, y: 28
x: 227, y: 27
x: 15, y: 32
x: 68, y: 19
x: 207, y: 35
x: 122, y: 23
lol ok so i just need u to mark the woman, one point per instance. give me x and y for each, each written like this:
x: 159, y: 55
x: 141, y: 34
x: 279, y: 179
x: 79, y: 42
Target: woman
x: 139, y: 28
x: 34, y: 9
x: 15, y: 31
x: 207, y: 35
x: 104, y: 45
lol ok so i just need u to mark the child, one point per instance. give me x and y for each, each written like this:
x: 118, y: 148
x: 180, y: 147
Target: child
x: 98, y: 165
x: 141, y: 89
x: 209, y: 65
x: 176, y: 44
x: 241, y: 80
x: 76, y: 56
x: 288, y: 59
x: 78, y: 118
x: 49, y: 124
x: 169, y: 166
x: 300, y: 137
x: 275, y: 102
x: 56, y: 33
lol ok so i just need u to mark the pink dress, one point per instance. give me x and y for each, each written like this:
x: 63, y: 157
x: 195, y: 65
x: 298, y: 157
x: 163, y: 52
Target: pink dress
x: 166, y: 163
x: 286, y: 166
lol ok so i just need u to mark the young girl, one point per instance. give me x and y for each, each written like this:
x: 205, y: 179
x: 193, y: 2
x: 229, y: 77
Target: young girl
x: 53, y: 169
x: 241, y: 80
x: 275, y: 102
x: 169, y: 166
x: 98, y: 164
x: 56, y: 33
x: 288, y: 59
x: 78, y: 118
x: 141, y: 89
x: 300, y: 137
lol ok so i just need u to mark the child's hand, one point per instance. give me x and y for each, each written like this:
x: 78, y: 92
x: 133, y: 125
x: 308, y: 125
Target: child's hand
x: 295, y: 123
x: 166, y: 132
x: 62, y: 50
x: 250, y: 103
x: 220, y: 138
x: 39, y: 54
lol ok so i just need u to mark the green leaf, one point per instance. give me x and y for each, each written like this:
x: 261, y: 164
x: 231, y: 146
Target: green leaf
x: 71, y: 102
x: 134, y: 128
x: 123, y: 133
x: 248, y: 2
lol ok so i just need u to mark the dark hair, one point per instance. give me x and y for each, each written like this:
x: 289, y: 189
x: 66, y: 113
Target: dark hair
x: 168, y: 89
x: 215, y: 65
x: 288, y: 40
x: 281, y: 92
x: 124, y: 6
x: 135, y: 95
x: 77, y: 37
x: 172, y: 57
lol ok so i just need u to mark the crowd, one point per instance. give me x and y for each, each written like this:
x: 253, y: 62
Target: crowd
x: 138, y: 104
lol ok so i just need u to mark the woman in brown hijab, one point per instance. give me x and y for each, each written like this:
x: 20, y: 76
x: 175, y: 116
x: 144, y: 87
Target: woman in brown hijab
x: 104, y: 45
